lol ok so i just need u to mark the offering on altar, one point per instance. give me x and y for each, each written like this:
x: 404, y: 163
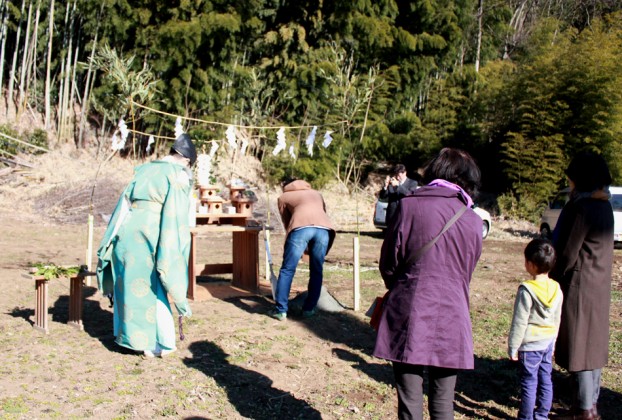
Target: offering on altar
x: 207, y: 192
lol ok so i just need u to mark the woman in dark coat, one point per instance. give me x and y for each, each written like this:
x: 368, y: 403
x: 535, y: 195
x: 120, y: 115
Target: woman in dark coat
x: 425, y: 324
x: 583, y: 239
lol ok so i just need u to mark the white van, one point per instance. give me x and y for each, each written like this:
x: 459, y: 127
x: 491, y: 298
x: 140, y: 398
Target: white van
x: 380, y: 216
x: 551, y: 214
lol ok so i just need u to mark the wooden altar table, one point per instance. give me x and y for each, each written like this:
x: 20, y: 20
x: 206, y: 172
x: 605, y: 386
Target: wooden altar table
x: 244, y: 253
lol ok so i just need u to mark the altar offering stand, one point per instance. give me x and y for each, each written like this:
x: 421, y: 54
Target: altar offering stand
x: 245, y: 241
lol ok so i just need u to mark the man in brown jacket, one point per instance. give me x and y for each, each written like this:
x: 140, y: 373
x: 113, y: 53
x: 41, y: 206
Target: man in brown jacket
x: 308, y: 228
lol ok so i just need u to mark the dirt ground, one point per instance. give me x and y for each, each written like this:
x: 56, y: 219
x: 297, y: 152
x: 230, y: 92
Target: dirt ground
x: 235, y: 361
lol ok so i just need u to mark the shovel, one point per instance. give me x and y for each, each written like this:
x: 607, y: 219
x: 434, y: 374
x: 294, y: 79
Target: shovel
x: 273, y: 278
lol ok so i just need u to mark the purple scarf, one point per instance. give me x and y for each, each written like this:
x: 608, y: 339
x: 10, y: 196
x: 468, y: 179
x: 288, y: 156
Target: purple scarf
x: 451, y: 186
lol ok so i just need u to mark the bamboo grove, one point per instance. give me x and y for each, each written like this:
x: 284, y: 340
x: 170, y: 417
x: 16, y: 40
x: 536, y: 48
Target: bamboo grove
x: 521, y: 84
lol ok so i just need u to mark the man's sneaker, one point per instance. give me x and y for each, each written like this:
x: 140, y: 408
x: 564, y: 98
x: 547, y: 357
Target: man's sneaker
x: 309, y: 314
x: 281, y: 316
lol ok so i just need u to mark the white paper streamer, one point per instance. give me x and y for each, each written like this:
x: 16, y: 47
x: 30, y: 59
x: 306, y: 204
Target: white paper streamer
x: 212, y: 151
x: 291, y: 151
x: 311, y: 140
x: 280, y: 141
x: 124, y: 131
x: 149, y: 143
x: 327, y: 139
x: 243, y: 148
x: 117, y: 142
x: 204, y: 168
x: 179, y: 130
x: 230, y: 134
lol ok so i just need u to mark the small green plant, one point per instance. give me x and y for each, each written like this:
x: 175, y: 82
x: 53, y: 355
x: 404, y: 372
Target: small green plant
x: 53, y: 271
x: 38, y: 138
x: 16, y: 405
x: 524, y: 207
x: 6, y: 144
x: 369, y: 406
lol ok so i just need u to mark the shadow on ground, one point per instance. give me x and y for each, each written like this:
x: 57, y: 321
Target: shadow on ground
x: 26, y: 313
x: 498, y: 381
x: 491, y: 381
x: 251, y: 393
x: 379, y: 372
x: 336, y: 327
x: 97, y: 321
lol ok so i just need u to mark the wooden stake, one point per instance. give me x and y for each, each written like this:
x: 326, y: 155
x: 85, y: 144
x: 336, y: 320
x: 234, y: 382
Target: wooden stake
x: 356, y: 276
x: 267, y: 253
x: 89, y: 248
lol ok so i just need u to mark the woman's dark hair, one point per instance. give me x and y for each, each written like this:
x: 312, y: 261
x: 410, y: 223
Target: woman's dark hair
x: 455, y: 166
x: 589, y: 172
x: 541, y: 254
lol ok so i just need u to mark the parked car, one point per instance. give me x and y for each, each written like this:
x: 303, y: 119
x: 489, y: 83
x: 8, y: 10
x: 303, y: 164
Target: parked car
x: 551, y: 214
x: 380, y: 216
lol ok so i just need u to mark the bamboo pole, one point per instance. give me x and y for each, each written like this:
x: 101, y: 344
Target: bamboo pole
x: 478, y: 50
x: 15, y: 161
x: 32, y: 57
x: 25, y: 52
x: 3, y: 33
x: 64, y: 76
x: 73, y: 88
x: 14, y: 63
x: 48, y: 67
x: 87, y: 84
x: 6, y: 136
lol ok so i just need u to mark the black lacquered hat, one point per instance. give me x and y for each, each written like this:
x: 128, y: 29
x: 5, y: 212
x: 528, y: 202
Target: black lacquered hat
x: 184, y: 146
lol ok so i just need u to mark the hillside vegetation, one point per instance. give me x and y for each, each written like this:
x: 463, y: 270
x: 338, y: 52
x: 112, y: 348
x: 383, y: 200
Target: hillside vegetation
x: 521, y: 84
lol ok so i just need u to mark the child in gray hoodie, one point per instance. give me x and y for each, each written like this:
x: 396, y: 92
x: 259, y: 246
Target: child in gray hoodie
x: 535, y: 324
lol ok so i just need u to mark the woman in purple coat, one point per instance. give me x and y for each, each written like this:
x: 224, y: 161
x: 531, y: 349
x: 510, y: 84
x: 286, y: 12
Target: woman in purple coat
x: 426, y: 325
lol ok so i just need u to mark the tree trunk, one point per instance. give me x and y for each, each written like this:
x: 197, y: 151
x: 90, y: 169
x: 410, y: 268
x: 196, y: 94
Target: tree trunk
x: 14, y: 64
x: 86, y: 97
x: 59, y: 107
x: 48, y: 66
x: 517, y: 22
x: 3, y: 31
x: 25, y: 51
x: 480, y: 14
x: 64, y: 96
x: 31, y: 75
x: 73, y: 90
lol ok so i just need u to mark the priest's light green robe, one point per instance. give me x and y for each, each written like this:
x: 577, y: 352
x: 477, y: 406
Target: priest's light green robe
x: 143, y: 256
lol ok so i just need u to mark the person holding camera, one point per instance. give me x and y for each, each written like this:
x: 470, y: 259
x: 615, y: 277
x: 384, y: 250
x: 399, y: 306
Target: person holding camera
x: 395, y: 187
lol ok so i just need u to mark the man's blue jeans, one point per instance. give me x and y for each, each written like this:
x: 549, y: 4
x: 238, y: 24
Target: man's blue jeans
x: 316, y: 241
x: 536, y: 383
